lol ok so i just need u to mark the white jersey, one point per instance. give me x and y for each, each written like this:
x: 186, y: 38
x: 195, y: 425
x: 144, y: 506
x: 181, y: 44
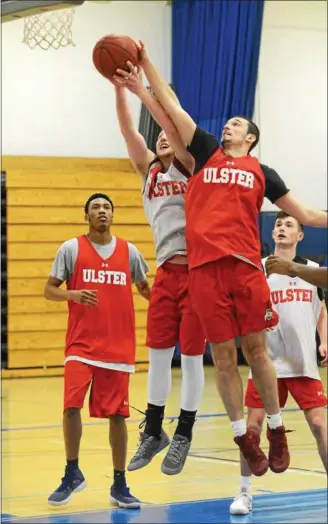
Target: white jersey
x: 292, y: 343
x: 164, y: 203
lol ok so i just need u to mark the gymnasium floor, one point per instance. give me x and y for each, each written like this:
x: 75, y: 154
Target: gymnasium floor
x: 33, y: 463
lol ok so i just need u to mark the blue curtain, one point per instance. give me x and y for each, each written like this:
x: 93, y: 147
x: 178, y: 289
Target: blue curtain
x: 215, y: 53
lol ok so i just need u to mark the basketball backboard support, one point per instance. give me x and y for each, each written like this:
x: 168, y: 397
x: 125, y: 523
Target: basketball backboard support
x: 16, y: 9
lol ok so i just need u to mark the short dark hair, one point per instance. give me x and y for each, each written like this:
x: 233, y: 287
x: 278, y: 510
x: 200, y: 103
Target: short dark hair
x: 252, y: 129
x: 282, y: 214
x: 93, y: 197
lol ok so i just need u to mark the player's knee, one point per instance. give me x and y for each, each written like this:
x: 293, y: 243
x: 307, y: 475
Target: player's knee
x: 317, y: 425
x: 72, y: 412
x: 224, y: 356
x: 255, y: 354
x: 225, y: 365
x: 116, y: 420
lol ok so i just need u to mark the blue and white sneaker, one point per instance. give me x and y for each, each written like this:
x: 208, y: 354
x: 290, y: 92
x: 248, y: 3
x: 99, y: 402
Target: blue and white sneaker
x: 69, y: 485
x: 122, y: 498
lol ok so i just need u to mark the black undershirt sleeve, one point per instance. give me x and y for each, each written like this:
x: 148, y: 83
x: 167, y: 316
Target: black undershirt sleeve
x: 275, y: 187
x: 202, y: 147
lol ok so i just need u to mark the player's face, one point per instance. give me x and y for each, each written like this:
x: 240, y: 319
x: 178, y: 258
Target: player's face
x: 286, y: 232
x: 163, y: 148
x: 235, y: 133
x: 100, y: 215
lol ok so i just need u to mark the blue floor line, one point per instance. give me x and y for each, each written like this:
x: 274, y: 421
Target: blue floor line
x: 306, y: 506
x: 130, y: 421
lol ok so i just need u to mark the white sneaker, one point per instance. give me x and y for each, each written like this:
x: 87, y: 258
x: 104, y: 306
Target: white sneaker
x: 242, y: 504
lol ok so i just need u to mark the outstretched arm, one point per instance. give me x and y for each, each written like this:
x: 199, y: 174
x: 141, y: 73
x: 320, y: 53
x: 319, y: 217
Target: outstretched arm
x: 138, y: 151
x: 278, y: 193
x: 317, y: 276
x: 183, y: 122
x: 133, y: 81
x: 305, y: 215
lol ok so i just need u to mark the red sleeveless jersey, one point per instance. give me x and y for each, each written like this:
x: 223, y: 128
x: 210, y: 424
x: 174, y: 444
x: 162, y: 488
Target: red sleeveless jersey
x: 105, y: 332
x: 223, y: 202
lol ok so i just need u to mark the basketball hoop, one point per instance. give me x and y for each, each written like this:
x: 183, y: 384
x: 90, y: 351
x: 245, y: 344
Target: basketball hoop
x: 49, y: 29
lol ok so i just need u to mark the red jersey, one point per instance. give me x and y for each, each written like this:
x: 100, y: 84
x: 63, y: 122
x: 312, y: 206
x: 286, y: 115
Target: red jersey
x: 105, y: 332
x: 223, y: 201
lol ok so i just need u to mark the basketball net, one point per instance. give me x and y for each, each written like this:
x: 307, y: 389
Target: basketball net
x: 49, y: 29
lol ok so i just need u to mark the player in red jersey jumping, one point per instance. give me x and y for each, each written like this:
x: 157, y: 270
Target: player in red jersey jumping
x: 227, y: 285
x: 99, y: 270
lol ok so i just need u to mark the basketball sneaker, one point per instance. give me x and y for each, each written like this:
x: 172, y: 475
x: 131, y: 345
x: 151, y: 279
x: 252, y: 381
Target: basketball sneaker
x: 176, y: 456
x: 121, y: 497
x: 249, y: 445
x: 242, y: 504
x: 72, y: 482
x: 279, y: 457
x: 147, y: 449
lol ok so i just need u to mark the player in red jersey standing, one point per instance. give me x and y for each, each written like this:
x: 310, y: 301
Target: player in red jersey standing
x: 99, y: 270
x: 227, y: 285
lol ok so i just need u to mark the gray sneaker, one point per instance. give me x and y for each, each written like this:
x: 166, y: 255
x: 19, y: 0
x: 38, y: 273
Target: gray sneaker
x: 176, y: 456
x: 70, y: 484
x: 147, y: 449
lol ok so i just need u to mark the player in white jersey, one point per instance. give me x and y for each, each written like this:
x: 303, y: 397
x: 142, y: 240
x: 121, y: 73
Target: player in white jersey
x: 292, y: 348
x: 171, y: 319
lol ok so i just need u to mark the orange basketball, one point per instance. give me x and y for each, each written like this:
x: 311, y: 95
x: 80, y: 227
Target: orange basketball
x: 112, y: 52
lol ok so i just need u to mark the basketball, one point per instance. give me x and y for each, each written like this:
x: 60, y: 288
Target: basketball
x: 112, y: 52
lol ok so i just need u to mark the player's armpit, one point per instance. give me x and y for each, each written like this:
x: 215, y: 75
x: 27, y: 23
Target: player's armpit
x: 144, y: 289
x: 305, y: 215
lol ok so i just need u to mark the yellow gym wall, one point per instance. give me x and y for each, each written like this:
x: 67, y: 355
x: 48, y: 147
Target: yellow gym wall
x: 45, y: 202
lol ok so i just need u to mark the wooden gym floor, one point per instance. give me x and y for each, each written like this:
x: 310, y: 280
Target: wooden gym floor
x: 33, y: 463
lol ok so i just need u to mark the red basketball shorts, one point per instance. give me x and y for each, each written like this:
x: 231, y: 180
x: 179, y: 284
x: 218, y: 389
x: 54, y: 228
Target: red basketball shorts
x: 109, y: 394
x: 171, y: 318
x: 307, y: 392
x: 231, y: 298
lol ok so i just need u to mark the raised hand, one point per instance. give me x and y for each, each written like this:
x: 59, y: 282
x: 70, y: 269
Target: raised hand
x: 131, y: 79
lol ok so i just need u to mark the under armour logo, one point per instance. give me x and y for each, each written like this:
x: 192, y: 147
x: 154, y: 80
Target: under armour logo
x: 230, y: 163
x: 292, y: 283
x: 320, y: 393
x: 125, y: 403
x: 104, y: 265
x: 268, y: 315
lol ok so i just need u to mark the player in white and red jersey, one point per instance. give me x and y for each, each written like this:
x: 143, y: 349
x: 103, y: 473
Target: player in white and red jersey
x: 226, y: 282
x: 171, y: 318
x: 99, y: 270
x: 292, y: 348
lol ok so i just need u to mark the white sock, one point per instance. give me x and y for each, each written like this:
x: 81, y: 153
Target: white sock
x: 159, y: 375
x: 192, y: 383
x: 245, y: 484
x: 274, y: 421
x: 239, y: 427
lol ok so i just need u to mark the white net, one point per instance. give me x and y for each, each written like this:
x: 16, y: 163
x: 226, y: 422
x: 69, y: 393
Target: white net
x: 49, y: 29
